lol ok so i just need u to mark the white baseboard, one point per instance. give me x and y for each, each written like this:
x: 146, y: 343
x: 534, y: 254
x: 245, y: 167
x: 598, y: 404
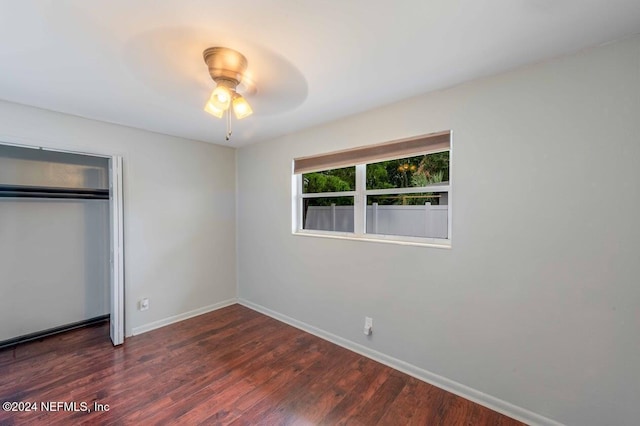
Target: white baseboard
x: 181, y: 317
x: 459, y: 389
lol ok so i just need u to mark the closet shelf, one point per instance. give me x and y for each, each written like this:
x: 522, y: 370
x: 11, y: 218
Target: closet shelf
x: 22, y: 191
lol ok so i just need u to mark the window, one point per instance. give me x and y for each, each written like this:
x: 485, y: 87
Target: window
x: 397, y: 191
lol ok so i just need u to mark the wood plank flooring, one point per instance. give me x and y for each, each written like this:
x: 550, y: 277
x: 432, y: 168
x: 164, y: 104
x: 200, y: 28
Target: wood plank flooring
x: 232, y: 366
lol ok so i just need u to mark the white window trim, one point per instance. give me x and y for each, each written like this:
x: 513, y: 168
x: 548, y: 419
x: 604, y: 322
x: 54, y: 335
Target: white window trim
x: 329, y: 194
x: 360, y: 194
x: 410, y: 190
x: 376, y: 238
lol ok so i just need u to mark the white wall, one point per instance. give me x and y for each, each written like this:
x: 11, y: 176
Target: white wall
x: 535, y: 304
x: 179, y: 208
x: 54, y: 263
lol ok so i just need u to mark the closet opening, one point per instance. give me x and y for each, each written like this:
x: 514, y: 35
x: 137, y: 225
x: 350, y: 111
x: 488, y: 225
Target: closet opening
x: 61, y: 243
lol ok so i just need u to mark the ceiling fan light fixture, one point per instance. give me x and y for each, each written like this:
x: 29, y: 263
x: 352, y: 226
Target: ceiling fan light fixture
x: 241, y: 107
x: 227, y: 68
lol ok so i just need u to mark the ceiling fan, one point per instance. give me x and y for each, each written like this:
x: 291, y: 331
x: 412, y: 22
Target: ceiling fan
x: 227, y: 68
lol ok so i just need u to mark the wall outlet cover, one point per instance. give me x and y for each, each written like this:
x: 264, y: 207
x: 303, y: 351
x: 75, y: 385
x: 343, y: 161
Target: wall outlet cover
x: 144, y: 304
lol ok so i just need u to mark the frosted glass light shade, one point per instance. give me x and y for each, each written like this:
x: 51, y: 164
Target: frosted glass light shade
x: 211, y: 109
x: 241, y: 107
x: 220, y: 97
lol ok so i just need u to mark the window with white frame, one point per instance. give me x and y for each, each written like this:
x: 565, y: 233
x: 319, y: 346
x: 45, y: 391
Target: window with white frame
x: 396, y: 191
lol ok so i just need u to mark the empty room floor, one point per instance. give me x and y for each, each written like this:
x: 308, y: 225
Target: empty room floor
x: 230, y: 366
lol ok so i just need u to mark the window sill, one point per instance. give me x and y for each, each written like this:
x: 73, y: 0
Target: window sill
x: 391, y: 239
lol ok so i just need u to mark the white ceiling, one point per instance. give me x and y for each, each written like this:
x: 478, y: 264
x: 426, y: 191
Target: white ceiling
x: 139, y: 63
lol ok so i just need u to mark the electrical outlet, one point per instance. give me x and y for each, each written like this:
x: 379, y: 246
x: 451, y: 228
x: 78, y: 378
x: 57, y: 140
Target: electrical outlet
x: 143, y: 304
x: 368, y: 326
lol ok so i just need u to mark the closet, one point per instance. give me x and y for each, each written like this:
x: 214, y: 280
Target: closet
x: 55, y: 242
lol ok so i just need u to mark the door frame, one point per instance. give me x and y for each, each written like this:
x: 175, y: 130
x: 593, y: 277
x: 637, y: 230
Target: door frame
x: 116, y: 210
x: 116, y: 207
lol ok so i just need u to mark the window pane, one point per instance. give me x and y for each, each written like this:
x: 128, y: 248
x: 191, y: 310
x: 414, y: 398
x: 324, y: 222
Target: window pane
x: 421, y: 170
x: 328, y: 214
x: 334, y: 180
x: 412, y: 215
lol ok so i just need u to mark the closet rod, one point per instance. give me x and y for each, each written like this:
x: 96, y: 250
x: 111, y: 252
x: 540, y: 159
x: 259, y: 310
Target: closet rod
x: 21, y: 191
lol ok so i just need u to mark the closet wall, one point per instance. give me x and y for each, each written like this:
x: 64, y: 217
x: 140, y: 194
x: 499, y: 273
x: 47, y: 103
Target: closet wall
x: 54, y: 253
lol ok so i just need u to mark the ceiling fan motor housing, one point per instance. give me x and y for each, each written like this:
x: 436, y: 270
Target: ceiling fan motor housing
x: 226, y: 66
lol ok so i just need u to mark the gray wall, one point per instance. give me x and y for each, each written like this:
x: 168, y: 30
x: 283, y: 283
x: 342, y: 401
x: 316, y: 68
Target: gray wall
x: 536, y: 303
x: 179, y: 209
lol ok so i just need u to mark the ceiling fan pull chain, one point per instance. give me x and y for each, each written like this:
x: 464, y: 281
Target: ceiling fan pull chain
x: 228, y: 125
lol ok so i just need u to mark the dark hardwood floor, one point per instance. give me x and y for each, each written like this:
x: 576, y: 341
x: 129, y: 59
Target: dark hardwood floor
x: 232, y: 366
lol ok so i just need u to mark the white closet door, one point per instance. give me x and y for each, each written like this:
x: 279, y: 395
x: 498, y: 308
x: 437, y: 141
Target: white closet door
x: 117, y: 251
